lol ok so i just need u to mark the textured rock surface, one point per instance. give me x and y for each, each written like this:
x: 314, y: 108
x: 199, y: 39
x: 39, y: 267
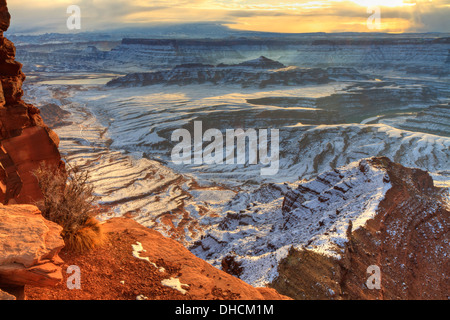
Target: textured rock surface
x: 407, y: 239
x: 21, y: 127
x: 260, y: 72
x: 53, y: 115
x: 4, y: 16
x: 200, y: 276
x: 316, y: 240
x: 139, y: 263
x: 422, y: 53
x: 29, y: 247
x: 6, y: 296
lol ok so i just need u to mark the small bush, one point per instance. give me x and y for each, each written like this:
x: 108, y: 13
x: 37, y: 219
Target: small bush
x: 86, y: 237
x: 68, y: 200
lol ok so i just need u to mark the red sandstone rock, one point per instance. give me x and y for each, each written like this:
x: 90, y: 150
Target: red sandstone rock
x: 29, y: 247
x: 25, y: 140
x: 6, y: 296
x: 35, y: 148
x: 4, y: 16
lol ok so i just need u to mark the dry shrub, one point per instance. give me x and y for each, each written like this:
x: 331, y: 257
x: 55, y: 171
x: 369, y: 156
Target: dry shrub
x: 68, y: 200
x: 87, y: 237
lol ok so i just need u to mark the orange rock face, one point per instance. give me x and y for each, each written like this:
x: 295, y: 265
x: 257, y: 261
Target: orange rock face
x: 29, y: 246
x: 408, y: 241
x: 4, y: 16
x: 25, y: 141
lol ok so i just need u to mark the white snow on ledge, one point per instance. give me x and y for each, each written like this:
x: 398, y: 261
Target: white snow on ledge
x: 174, y: 283
x: 137, y: 248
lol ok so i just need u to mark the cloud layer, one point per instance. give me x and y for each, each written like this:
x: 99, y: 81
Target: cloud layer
x: 255, y: 15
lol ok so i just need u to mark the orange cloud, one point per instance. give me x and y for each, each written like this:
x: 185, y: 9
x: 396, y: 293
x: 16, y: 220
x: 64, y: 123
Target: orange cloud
x: 309, y: 24
x: 291, y: 16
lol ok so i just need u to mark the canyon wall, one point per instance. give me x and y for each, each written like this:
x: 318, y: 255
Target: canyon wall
x: 415, y: 54
x: 25, y: 140
x: 407, y: 240
x: 323, y: 238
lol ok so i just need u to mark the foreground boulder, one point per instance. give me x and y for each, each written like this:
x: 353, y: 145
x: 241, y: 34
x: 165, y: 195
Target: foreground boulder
x: 6, y: 296
x: 29, y: 247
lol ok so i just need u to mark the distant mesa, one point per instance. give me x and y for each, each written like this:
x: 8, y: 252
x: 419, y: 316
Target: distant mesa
x: 116, y: 54
x: 261, y: 62
x: 193, y: 66
x: 260, y: 72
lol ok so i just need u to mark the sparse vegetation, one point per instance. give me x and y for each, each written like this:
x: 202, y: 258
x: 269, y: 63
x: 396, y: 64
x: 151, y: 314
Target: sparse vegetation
x: 69, y: 200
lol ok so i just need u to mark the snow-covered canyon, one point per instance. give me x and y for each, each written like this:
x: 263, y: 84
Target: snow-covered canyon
x: 391, y: 101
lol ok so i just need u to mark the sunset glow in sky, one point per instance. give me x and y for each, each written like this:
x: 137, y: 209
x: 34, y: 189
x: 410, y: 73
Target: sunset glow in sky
x: 255, y: 15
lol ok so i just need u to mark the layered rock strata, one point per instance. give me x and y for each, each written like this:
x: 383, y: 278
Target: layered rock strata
x: 320, y: 239
x: 25, y: 140
x: 29, y: 247
x: 406, y: 240
x: 29, y: 244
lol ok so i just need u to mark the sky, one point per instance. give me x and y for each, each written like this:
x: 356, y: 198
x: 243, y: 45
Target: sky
x: 288, y: 16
